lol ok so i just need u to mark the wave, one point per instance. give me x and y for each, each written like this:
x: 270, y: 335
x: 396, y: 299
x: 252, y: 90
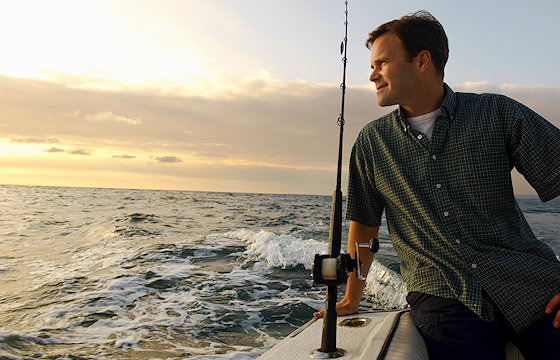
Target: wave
x: 385, y: 288
x: 278, y: 251
x: 138, y: 217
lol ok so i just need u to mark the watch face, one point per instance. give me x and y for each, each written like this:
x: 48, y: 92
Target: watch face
x: 374, y: 245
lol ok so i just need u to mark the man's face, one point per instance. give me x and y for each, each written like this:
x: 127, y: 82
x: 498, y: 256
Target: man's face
x: 392, y: 72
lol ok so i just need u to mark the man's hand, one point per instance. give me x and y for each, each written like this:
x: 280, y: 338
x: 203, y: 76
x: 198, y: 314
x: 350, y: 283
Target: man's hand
x: 354, y: 287
x: 552, y: 306
x: 342, y: 308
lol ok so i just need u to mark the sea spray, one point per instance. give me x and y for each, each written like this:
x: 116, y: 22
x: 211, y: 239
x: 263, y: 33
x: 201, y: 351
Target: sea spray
x: 278, y: 251
x: 385, y: 288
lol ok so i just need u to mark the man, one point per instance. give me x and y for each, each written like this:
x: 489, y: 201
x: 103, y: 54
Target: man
x: 440, y: 167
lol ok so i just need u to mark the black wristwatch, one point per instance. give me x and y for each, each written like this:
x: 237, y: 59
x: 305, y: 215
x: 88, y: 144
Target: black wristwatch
x: 374, y: 245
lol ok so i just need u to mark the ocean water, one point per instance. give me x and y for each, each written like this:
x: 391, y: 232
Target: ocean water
x: 137, y: 274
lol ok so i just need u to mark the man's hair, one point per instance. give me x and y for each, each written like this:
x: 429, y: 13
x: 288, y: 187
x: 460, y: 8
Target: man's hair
x: 418, y: 31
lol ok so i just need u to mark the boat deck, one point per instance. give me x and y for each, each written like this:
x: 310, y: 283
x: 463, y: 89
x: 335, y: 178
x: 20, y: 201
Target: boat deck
x: 388, y: 335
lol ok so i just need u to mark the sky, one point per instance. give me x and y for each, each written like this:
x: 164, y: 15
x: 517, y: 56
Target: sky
x: 230, y: 95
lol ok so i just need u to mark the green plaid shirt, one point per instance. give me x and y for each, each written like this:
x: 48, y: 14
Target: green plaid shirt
x: 449, y: 202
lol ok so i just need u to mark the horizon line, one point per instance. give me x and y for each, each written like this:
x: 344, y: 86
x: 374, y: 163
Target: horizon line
x: 198, y: 191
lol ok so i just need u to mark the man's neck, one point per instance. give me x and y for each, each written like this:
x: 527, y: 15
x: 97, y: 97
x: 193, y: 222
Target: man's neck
x: 429, y: 100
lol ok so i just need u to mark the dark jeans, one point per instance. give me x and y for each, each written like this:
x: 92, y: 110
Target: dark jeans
x: 452, y: 331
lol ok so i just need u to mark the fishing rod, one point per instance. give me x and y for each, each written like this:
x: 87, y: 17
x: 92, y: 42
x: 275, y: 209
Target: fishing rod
x: 333, y: 269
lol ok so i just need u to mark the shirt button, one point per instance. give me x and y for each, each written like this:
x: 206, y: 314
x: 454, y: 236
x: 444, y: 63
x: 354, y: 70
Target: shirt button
x: 419, y: 137
x: 445, y: 213
x: 473, y: 266
x: 434, y: 157
x: 458, y: 241
x: 438, y: 186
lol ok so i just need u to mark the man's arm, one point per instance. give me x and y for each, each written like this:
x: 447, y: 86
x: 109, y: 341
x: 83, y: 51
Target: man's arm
x: 534, y: 149
x: 354, y: 286
x: 534, y: 145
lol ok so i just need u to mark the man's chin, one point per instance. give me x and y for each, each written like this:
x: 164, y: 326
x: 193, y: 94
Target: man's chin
x: 385, y: 102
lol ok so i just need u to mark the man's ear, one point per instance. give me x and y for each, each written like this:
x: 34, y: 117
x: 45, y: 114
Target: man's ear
x: 423, y: 61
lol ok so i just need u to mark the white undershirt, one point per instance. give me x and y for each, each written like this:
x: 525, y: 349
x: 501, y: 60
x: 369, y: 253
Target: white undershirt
x: 425, y: 123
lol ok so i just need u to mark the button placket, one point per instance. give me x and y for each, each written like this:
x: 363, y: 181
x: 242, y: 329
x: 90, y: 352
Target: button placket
x: 441, y: 197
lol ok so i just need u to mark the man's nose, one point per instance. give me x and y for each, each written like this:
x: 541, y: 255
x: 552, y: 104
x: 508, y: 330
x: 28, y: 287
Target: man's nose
x: 374, y: 76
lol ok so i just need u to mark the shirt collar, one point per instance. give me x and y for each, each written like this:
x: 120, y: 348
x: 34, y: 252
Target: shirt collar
x: 448, y: 106
x: 449, y: 102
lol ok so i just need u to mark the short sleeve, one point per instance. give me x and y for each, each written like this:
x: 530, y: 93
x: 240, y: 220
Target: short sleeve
x: 364, y: 203
x: 534, y: 145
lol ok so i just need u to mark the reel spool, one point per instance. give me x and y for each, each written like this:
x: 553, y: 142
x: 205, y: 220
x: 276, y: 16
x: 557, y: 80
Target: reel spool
x: 335, y: 271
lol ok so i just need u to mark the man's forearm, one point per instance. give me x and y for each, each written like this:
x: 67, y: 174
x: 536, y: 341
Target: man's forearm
x: 361, y: 234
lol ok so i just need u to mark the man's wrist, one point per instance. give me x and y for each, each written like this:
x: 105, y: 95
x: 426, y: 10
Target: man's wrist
x: 350, y: 303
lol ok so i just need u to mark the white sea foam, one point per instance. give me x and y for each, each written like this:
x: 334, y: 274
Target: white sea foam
x: 173, y: 268
x: 280, y: 251
x: 385, y: 288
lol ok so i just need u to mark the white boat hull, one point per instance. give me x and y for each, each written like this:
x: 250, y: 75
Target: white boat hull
x: 386, y: 335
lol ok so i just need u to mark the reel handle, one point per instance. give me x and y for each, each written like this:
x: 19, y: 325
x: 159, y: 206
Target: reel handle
x: 373, y: 246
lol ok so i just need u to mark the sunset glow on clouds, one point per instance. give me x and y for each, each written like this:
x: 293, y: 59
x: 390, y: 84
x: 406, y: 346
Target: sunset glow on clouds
x: 198, y: 96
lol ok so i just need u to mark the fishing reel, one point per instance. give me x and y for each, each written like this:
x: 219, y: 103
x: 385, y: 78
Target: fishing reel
x: 332, y: 271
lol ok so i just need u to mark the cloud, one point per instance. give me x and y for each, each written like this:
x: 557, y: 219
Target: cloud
x: 110, y: 117
x: 168, y: 159
x: 55, y: 150
x: 35, y: 140
x: 123, y: 156
x: 79, y: 152
x: 272, y: 121
x: 478, y: 87
x: 264, y: 123
x: 72, y: 152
